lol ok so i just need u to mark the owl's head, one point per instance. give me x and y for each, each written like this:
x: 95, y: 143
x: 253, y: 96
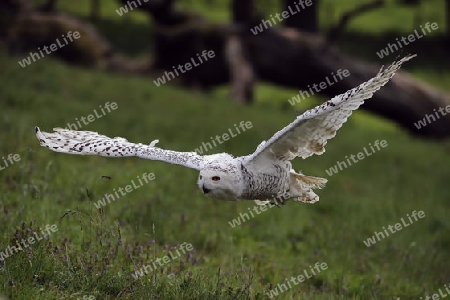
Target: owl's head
x: 220, y: 180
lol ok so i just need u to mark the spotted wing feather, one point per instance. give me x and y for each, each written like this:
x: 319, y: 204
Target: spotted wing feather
x: 309, y: 133
x: 92, y: 143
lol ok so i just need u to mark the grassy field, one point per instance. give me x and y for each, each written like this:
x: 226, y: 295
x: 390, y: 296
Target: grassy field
x: 94, y: 253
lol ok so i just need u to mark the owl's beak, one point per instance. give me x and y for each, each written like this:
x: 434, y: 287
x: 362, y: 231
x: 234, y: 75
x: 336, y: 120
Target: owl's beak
x: 205, y: 190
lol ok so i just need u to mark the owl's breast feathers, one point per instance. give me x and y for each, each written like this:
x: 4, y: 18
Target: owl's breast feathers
x: 265, y: 184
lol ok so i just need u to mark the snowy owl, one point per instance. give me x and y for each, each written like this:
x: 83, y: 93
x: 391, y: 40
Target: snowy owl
x: 266, y: 175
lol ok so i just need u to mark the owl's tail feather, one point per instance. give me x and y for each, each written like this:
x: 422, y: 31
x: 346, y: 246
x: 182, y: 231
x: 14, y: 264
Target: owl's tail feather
x: 302, y: 186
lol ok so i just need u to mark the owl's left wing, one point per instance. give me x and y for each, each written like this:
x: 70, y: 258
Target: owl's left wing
x: 309, y: 133
x: 92, y: 143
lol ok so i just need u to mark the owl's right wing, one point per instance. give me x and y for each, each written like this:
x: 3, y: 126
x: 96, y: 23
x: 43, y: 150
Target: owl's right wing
x: 92, y: 143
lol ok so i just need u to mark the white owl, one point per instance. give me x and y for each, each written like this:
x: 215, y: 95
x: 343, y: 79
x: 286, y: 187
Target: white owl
x: 265, y: 175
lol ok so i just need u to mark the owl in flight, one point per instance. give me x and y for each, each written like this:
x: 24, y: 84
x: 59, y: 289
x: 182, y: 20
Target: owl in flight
x: 266, y: 175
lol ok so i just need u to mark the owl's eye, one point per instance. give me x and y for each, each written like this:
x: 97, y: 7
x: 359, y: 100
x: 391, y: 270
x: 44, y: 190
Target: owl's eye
x: 215, y: 178
x: 201, y: 177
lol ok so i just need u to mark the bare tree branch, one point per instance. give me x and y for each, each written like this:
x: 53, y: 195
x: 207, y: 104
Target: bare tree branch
x: 337, y: 30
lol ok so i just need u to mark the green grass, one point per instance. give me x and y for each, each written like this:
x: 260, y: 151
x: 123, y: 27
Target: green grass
x: 94, y: 252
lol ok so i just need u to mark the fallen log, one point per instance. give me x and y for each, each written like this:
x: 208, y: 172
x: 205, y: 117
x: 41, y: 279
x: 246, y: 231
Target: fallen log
x: 307, y: 60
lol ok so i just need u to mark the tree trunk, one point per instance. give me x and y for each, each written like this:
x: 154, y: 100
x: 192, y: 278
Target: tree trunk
x: 306, y: 19
x: 241, y: 70
x: 95, y: 10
